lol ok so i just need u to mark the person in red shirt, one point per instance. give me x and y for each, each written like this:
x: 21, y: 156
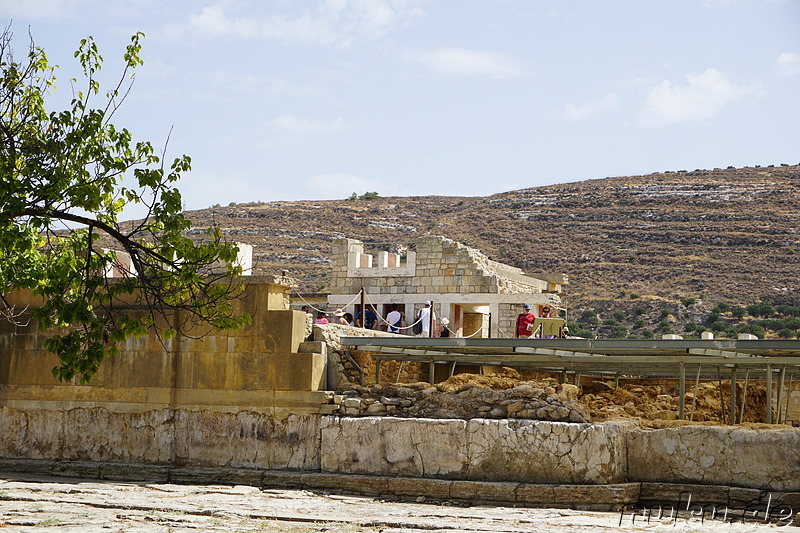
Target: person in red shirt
x: 525, y: 322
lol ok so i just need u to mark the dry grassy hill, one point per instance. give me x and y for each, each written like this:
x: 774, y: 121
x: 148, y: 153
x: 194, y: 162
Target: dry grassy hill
x: 631, y: 245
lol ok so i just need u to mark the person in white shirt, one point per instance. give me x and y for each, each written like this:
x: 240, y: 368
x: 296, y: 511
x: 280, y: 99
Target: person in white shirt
x: 428, y: 320
x: 394, y: 318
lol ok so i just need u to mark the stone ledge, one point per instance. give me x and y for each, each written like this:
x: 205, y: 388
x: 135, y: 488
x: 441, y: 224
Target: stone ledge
x: 585, y: 497
x: 612, y: 497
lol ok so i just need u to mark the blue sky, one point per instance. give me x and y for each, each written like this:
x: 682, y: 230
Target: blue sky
x: 289, y: 100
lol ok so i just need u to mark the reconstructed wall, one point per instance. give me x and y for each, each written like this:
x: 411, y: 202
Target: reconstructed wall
x: 258, y: 365
x: 457, y: 278
x: 249, y: 399
x: 441, y: 266
x: 178, y: 437
x: 480, y: 450
x: 717, y: 455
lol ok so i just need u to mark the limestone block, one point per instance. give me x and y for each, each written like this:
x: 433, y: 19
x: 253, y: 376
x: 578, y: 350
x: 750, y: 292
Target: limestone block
x: 97, y: 434
x: 282, y: 330
x: 393, y: 446
x: 534, y: 451
x: 431, y: 488
x: 39, y: 467
x: 722, y: 455
x: 371, y: 485
x: 35, y: 434
x: 536, y: 494
x: 275, y: 478
x: 675, y: 493
x: 296, y: 371
x: 132, y: 471
x: 483, y: 492
x: 240, y: 476
x: 743, y: 497
x: 617, y: 495
x: 77, y: 469
x: 246, y: 439
x: 351, y: 402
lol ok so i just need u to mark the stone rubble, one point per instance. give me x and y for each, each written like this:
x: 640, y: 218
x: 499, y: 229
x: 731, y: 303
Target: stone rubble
x: 528, y: 400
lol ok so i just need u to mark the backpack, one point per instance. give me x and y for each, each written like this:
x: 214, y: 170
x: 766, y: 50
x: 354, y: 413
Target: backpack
x: 417, y: 327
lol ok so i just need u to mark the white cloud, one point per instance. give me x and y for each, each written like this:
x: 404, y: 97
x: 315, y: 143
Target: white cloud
x: 788, y: 64
x: 36, y: 9
x: 292, y: 124
x: 583, y: 111
x: 329, y: 22
x: 463, y: 62
x: 702, y: 96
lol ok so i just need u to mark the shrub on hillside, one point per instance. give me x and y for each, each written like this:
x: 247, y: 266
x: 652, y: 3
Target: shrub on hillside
x: 762, y: 309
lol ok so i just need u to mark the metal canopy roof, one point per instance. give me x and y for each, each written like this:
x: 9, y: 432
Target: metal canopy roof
x: 662, y: 358
x: 631, y: 357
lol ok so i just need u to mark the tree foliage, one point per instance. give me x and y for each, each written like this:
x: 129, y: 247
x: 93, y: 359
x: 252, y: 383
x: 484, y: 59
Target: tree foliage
x: 65, y: 177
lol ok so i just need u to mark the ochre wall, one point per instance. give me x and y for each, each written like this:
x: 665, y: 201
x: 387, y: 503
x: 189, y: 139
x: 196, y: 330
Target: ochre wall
x: 257, y: 366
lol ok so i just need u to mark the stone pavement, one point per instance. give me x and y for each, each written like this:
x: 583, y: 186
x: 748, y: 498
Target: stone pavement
x: 37, y: 503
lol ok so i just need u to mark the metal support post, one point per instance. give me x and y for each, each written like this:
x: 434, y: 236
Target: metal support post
x: 377, y: 371
x: 788, y: 395
x: 431, y: 370
x: 744, y: 394
x: 682, y: 392
x: 769, y: 393
x: 721, y: 396
x: 696, y: 388
x: 430, y: 328
x: 733, y: 395
x: 780, y: 393
x: 363, y: 308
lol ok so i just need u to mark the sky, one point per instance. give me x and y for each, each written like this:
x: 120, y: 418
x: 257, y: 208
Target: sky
x: 279, y: 100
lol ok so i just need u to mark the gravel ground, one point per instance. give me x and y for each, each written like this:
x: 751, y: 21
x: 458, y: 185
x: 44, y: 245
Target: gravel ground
x: 32, y: 503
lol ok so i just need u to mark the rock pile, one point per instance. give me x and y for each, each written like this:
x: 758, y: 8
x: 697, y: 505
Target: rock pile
x: 528, y: 400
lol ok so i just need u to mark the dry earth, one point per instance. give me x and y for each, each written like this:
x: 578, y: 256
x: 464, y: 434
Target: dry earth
x: 647, y: 403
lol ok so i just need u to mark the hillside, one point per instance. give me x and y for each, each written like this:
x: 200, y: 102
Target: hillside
x: 631, y: 245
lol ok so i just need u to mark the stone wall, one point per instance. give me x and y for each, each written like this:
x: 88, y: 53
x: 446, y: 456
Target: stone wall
x: 488, y: 450
x: 440, y: 266
x: 500, y: 451
x: 717, y: 455
x: 257, y: 366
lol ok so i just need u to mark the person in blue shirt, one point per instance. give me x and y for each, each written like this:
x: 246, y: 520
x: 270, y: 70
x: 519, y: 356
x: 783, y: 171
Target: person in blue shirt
x: 369, y: 323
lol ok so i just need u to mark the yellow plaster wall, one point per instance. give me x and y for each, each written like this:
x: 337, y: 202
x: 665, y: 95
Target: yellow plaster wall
x: 257, y: 365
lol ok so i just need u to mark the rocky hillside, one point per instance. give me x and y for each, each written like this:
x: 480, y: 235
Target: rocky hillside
x: 662, y: 248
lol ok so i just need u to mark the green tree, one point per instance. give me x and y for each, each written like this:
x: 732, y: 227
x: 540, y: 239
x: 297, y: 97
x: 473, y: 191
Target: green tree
x: 65, y: 177
x: 762, y: 309
x: 721, y: 307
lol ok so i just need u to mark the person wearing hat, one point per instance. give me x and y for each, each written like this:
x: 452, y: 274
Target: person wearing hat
x: 340, y: 319
x: 525, y: 322
x: 427, y: 320
x: 445, y: 331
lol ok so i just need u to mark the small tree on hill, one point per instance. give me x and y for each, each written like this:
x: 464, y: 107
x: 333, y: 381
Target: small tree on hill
x: 62, y: 190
